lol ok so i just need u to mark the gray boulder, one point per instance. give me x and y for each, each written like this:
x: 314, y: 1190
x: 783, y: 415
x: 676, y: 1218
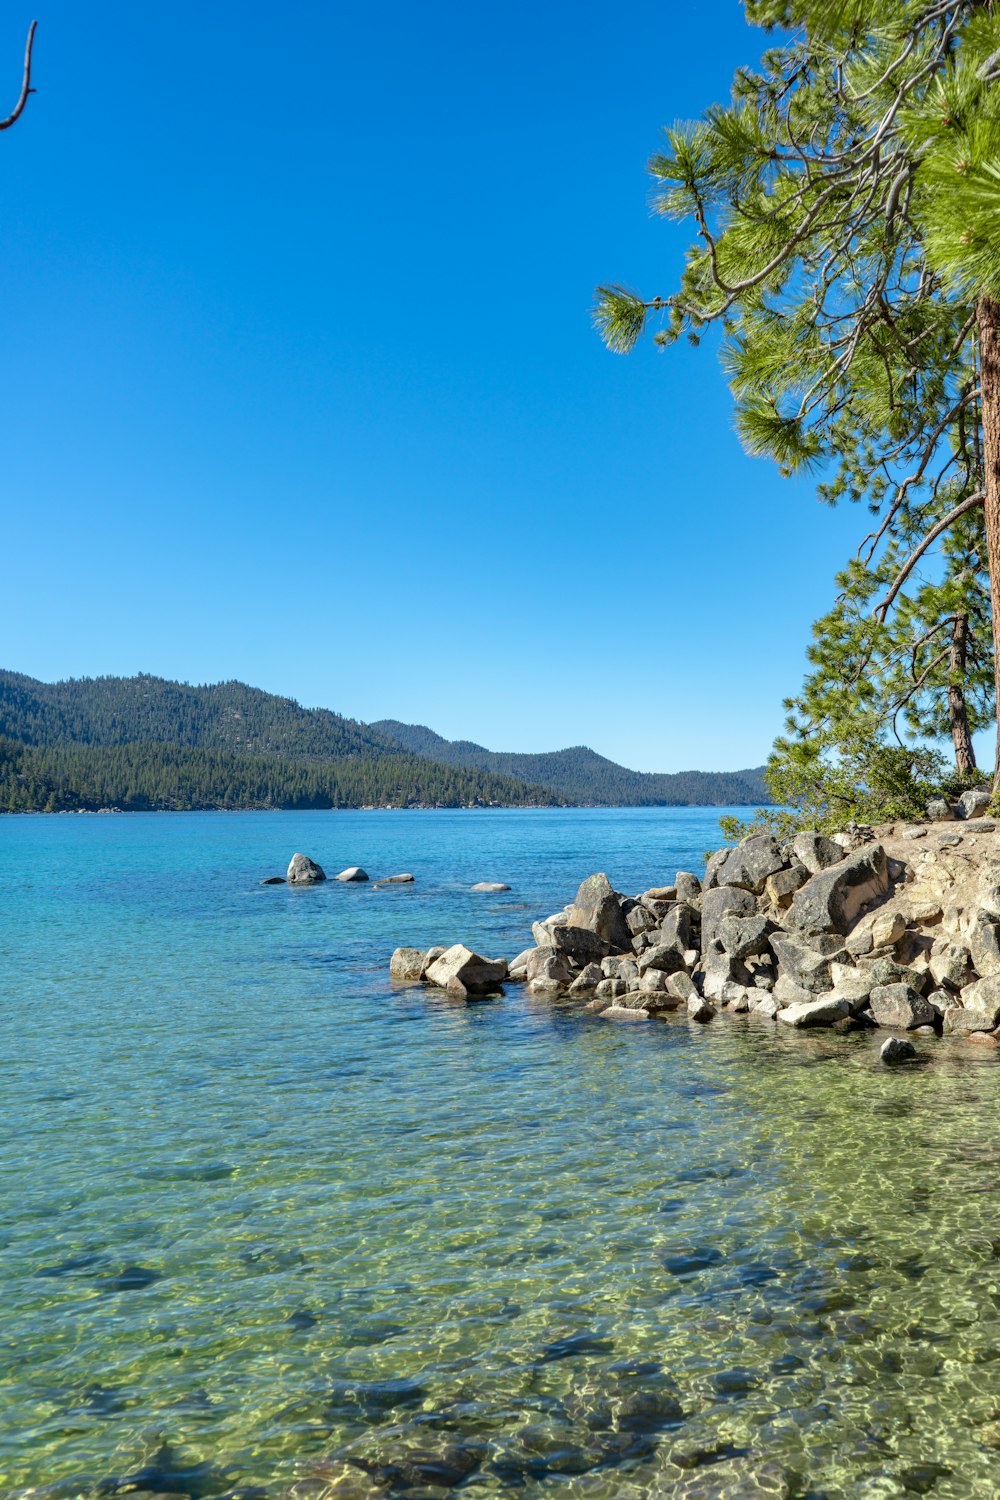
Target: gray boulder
x: 395, y: 880
x: 895, y: 1050
x: 653, y: 982
x: 833, y: 900
x: 714, y: 864
x: 598, y: 907
x: 688, y: 886
x: 722, y: 901
x: 546, y: 963
x: 489, y: 885
x: 979, y: 1010
x: 661, y: 957
x: 743, y: 937
x: 851, y: 984
x: 899, y: 1005
x: 518, y: 967
x: 974, y: 804
x: 304, y: 871
x: 274, y: 880
x: 699, y: 1009
x: 609, y: 988
x: 640, y: 919
x: 822, y: 1012
x: 816, y: 852
x: 751, y: 862
x: 950, y: 966
x: 587, y: 980
x: 542, y: 931
x: 888, y: 971
x: 984, y: 944
x: 680, y: 927
x: 780, y: 887
x: 462, y: 972
x: 807, y: 964
x: 939, y: 810
x: 681, y: 986
x: 579, y: 944
x: 352, y: 873
x: 765, y: 1006
x: 407, y: 965
x: 625, y: 969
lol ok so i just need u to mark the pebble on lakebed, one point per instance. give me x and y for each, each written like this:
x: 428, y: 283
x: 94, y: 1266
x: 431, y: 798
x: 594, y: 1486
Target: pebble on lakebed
x: 871, y: 929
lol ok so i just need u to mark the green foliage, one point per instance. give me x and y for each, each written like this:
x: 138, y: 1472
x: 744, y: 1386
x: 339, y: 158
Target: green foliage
x: 142, y: 743
x: 846, y: 212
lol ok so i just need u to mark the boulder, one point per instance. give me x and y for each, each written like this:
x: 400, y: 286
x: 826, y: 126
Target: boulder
x: 352, y: 873
x: 546, y: 963
x: 587, y: 980
x: 979, y: 1010
x: 609, y: 988
x: 888, y: 971
x: 542, y: 931
x: 407, y: 965
x: 274, y: 880
x: 660, y: 893
x: 625, y: 1013
x: 833, y: 900
x: 851, y: 984
x: 766, y: 1006
x: 680, y: 927
x: 489, y: 885
x: 653, y: 981
x: 787, y: 993
x: 617, y: 967
x: 743, y: 937
x: 662, y: 957
x: 899, y: 1005
x: 780, y: 887
x: 640, y: 919
x: 715, y: 862
x: 721, y: 901
x: 598, y: 908
x: 822, y: 1012
x: 578, y: 943
x: 807, y: 964
x: 974, y: 804
x: 751, y: 862
x: 304, y: 871
x: 395, y: 880
x: 950, y: 966
x: 680, y: 985
x: 699, y: 1009
x: 983, y: 937
x: 431, y: 955
x: 887, y: 928
x: 688, y: 886
x: 462, y: 972
x: 939, y: 810
x: 517, y: 969
x: 816, y: 852
x: 895, y: 1050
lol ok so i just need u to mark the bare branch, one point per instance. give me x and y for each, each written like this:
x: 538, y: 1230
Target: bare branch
x: 26, y: 88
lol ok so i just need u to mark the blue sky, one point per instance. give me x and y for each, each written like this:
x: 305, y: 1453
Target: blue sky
x: 301, y: 388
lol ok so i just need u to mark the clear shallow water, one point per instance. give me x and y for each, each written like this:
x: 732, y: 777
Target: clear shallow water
x: 272, y: 1226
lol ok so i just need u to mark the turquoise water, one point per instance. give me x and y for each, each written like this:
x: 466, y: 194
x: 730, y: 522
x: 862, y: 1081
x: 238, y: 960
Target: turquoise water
x: 275, y: 1227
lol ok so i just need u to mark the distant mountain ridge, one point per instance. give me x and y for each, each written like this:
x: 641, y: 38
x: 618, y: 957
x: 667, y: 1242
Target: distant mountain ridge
x: 142, y: 743
x: 148, y: 743
x: 580, y: 775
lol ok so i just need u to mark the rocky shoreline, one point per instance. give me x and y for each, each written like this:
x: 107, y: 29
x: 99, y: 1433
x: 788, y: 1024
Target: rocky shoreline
x: 895, y: 927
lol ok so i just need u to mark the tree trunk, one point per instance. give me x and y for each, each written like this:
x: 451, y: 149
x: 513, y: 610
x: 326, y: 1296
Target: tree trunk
x: 965, y: 755
x: 988, y: 313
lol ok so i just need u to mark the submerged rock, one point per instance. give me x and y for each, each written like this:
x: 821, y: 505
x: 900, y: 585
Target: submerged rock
x: 489, y: 885
x: 895, y: 1050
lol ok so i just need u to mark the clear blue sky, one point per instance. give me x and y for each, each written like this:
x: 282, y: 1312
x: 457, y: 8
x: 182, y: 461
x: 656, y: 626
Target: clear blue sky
x: 301, y: 388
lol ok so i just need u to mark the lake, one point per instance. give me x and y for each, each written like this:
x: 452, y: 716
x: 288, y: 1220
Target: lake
x: 273, y: 1226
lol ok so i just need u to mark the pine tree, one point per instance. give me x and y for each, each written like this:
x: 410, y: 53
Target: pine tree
x: 847, y: 204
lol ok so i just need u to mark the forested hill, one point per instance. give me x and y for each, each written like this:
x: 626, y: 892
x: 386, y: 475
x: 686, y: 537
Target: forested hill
x: 144, y: 743
x: 582, y: 776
